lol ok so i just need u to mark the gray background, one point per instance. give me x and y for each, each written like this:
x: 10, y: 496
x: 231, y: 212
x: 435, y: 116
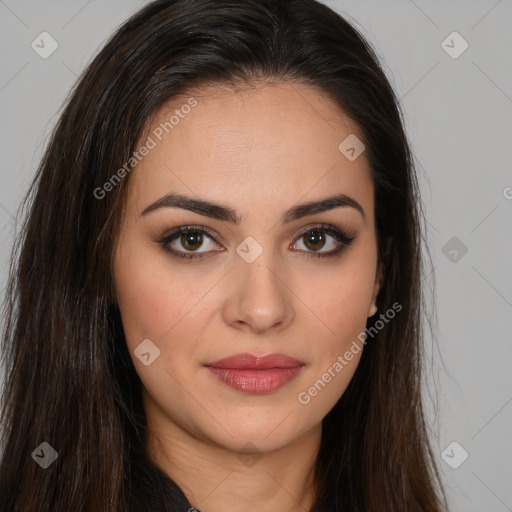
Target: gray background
x: 459, y: 118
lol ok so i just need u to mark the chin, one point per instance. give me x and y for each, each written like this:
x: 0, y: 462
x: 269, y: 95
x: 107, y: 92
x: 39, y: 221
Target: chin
x: 262, y: 435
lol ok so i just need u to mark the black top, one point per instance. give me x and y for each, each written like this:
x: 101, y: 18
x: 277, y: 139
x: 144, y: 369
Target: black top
x: 182, y: 503
x: 152, y: 490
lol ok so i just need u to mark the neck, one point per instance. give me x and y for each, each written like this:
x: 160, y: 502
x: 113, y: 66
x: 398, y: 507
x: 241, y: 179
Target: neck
x: 216, y: 479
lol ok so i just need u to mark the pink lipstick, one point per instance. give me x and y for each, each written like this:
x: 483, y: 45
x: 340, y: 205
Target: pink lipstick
x: 256, y: 375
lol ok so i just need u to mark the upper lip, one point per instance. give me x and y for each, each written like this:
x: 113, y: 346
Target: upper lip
x: 252, y: 362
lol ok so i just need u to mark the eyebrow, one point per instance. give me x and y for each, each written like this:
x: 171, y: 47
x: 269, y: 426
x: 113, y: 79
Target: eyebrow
x: 225, y: 213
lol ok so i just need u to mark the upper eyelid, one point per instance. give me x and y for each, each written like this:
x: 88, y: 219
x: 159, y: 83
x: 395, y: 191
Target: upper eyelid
x: 175, y: 232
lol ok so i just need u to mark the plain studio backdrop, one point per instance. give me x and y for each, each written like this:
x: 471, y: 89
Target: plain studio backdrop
x: 450, y: 65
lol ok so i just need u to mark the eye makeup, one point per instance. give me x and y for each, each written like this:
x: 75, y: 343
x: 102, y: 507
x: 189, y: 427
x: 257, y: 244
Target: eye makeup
x: 195, y: 235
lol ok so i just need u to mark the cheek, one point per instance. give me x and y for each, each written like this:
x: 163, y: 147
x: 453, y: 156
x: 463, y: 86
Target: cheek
x: 340, y: 301
x: 157, y: 304
x: 153, y: 300
x: 340, y: 304
x: 342, y: 311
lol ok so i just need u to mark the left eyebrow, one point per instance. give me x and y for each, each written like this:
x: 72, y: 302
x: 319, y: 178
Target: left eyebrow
x: 225, y: 213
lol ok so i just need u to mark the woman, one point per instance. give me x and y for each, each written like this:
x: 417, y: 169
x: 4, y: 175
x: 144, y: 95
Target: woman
x: 227, y: 201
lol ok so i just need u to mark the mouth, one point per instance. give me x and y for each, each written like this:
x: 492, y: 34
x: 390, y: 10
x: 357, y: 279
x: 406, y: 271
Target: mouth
x: 256, y: 375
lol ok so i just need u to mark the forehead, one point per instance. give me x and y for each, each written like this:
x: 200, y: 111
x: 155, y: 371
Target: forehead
x: 253, y: 145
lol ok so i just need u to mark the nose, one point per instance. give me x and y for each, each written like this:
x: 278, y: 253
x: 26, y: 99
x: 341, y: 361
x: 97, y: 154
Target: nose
x: 258, y: 298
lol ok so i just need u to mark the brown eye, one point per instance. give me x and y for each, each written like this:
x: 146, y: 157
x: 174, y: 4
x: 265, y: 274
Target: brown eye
x: 314, y: 239
x: 191, y: 241
x: 320, y: 237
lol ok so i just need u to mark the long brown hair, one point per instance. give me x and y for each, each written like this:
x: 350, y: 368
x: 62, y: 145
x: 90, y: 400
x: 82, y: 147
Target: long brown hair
x: 69, y: 379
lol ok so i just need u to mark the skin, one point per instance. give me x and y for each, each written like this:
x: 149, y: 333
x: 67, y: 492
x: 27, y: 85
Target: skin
x: 259, y: 151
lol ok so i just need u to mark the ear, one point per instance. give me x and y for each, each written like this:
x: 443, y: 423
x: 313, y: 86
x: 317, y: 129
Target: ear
x: 379, y: 278
x: 376, y: 289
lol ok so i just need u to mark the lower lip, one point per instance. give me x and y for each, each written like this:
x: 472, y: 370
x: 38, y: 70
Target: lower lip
x: 256, y: 382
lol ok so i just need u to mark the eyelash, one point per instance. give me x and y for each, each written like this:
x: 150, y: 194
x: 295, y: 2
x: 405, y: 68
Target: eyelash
x: 344, y: 238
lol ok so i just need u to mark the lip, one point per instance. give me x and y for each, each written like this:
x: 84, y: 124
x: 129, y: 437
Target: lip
x: 256, y: 375
x: 246, y: 361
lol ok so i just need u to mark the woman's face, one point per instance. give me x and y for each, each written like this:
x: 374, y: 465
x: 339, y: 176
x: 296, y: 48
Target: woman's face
x: 262, y: 285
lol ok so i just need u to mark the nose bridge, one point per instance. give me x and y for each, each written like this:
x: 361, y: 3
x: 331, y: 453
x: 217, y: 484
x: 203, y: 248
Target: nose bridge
x: 259, y: 296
